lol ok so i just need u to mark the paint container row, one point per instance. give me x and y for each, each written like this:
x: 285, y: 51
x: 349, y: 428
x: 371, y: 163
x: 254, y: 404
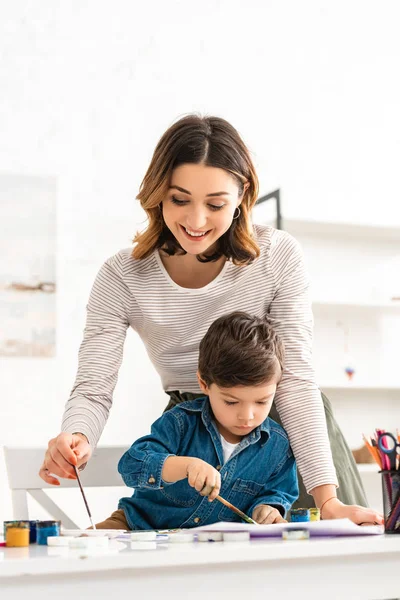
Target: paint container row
x: 298, y: 515
x: 18, y: 534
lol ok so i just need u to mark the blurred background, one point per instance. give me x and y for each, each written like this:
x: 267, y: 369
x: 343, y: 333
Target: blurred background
x: 87, y: 89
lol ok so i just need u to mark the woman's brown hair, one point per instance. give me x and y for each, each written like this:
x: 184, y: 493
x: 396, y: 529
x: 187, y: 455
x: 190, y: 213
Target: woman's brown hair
x: 240, y: 349
x: 213, y: 142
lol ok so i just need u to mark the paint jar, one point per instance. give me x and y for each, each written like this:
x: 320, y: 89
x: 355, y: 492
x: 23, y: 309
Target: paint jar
x: 391, y: 500
x: 32, y: 532
x: 44, y: 529
x: 16, y: 534
x: 6, y: 523
x: 295, y: 534
x: 315, y: 514
x: 298, y: 515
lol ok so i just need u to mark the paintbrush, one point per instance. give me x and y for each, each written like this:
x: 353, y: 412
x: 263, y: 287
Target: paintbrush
x: 84, y: 497
x: 236, y: 510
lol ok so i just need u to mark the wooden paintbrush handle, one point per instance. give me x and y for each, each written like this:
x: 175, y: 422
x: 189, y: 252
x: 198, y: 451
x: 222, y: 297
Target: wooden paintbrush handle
x: 233, y: 508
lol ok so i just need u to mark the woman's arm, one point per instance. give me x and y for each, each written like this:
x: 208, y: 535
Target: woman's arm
x: 100, y: 353
x: 298, y: 399
x: 100, y: 357
x: 332, y: 508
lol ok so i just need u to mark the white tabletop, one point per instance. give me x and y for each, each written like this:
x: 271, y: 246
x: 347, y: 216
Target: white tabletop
x: 357, y: 568
x: 41, y: 560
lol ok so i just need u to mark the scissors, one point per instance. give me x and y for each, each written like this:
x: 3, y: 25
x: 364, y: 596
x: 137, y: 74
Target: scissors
x: 391, y: 452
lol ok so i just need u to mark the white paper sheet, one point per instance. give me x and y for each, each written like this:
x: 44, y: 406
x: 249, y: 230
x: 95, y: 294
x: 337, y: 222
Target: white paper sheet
x: 331, y: 528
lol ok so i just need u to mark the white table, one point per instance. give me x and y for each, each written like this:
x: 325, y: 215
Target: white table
x: 342, y: 568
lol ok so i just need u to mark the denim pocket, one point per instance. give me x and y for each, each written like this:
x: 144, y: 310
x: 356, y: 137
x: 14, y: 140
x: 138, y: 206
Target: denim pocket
x: 180, y: 493
x: 242, y: 495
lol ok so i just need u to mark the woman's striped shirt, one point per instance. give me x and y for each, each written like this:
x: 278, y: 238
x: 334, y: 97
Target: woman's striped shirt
x: 171, y: 320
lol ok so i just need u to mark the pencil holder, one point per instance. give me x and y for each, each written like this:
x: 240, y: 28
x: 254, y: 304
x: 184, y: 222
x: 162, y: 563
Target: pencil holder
x: 391, y: 500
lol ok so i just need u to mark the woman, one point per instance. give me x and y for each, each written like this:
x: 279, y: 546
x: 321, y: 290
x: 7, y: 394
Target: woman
x: 199, y: 258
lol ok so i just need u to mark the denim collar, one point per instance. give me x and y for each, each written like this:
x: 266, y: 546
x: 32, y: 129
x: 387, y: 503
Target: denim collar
x: 202, y: 405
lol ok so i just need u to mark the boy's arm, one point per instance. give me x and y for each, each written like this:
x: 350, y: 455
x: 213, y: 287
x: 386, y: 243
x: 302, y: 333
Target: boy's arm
x: 282, y: 488
x: 176, y: 468
x: 142, y: 465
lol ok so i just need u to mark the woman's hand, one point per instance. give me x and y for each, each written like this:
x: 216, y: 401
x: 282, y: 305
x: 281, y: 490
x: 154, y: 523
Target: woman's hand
x: 335, y: 509
x: 64, y: 451
x: 265, y: 515
x: 204, y: 478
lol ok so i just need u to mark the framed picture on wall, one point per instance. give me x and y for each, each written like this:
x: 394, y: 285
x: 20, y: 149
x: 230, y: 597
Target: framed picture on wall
x: 27, y: 266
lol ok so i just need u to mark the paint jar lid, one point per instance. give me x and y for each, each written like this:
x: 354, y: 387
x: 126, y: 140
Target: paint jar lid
x: 143, y: 536
x: 16, y: 524
x: 40, y: 524
x: 299, y: 511
x: 58, y: 540
x: 295, y: 534
x: 181, y: 538
x: 236, y: 536
x: 315, y: 514
x: 209, y: 536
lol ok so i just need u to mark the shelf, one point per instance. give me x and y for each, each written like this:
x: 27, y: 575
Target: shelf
x: 356, y: 304
x: 357, y: 387
x: 350, y: 230
x: 368, y: 468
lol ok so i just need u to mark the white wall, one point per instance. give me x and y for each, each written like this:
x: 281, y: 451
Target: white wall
x: 88, y: 87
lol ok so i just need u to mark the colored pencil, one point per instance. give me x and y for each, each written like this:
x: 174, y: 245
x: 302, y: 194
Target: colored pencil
x: 373, y: 451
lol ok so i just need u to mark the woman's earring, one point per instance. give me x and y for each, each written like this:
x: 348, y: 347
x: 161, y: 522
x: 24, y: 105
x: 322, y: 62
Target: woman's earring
x: 238, y: 215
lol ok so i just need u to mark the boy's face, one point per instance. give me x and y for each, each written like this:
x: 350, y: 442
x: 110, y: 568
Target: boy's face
x: 240, y: 409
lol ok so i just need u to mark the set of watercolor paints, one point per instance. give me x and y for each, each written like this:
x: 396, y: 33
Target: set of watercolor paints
x: 301, y: 515
x: 18, y: 534
x: 22, y: 533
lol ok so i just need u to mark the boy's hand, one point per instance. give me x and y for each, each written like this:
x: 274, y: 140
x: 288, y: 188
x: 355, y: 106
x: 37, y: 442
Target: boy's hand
x: 265, y: 515
x: 204, y: 478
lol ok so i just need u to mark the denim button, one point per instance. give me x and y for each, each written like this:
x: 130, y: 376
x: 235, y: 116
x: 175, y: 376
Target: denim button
x: 196, y: 519
x: 151, y: 479
x: 218, y: 467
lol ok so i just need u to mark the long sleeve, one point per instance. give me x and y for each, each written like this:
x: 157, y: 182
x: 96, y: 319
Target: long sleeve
x: 100, y: 353
x: 298, y: 399
x: 141, y: 466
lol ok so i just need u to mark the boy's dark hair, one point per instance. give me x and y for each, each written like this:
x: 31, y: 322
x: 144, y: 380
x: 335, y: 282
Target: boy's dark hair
x: 240, y: 349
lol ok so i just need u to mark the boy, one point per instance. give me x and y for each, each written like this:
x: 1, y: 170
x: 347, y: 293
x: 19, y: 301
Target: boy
x: 222, y: 443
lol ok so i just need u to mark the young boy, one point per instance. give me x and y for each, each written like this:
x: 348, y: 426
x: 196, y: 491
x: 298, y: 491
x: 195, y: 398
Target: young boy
x: 223, y: 443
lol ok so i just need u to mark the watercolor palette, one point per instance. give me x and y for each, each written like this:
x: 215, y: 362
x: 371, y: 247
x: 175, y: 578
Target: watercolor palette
x: 110, y: 533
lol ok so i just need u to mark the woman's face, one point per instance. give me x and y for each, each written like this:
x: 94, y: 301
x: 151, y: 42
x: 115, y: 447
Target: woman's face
x: 200, y: 206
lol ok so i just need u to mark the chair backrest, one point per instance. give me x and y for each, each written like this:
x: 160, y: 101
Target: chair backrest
x: 23, y: 466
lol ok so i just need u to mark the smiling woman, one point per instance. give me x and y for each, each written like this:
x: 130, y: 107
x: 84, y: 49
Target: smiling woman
x: 205, y: 183
x: 201, y: 258
x: 201, y: 218
x: 199, y: 221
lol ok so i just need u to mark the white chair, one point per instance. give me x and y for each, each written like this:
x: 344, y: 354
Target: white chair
x: 23, y: 466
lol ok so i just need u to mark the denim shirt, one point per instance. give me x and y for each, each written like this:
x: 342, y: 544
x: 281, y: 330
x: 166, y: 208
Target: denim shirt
x: 261, y: 470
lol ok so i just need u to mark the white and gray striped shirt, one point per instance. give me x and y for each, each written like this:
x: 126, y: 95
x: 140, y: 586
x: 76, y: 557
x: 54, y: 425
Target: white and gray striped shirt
x: 172, y: 320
